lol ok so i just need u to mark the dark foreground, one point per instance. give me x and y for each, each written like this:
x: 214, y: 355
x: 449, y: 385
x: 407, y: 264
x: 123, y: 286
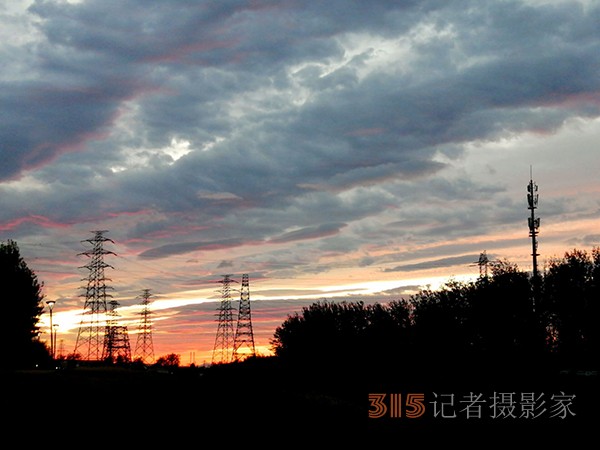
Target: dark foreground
x: 265, y: 402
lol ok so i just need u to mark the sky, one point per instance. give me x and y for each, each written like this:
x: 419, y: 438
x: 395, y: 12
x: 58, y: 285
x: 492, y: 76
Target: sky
x: 342, y: 150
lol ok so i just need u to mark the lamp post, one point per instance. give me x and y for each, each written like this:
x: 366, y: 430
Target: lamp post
x: 50, y: 304
x: 54, y: 342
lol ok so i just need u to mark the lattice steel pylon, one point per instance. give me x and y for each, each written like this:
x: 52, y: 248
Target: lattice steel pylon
x: 484, y: 264
x: 222, y: 350
x: 92, y: 328
x: 116, y: 338
x: 243, y: 341
x: 144, y: 348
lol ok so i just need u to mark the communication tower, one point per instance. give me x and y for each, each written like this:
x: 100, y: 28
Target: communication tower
x: 243, y: 342
x: 144, y: 348
x: 534, y: 225
x: 92, y: 328
x: 533, y: 222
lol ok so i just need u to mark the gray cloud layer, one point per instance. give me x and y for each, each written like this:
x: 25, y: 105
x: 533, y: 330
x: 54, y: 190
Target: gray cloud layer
x: 197, y: 126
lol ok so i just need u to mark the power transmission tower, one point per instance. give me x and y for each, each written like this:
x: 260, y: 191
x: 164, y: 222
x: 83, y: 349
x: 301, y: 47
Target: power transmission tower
x: 484, y: 264
x: 224, y: 337
x: 144, y: 348
x: 92, y: 328
x: 244, y: 336
x: 116, y: 339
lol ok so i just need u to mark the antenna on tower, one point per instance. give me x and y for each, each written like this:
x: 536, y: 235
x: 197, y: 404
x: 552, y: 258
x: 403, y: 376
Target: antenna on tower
x: 533, y: 222
x: 534, y: 225
x: 244, y: 336
x: 223, y: 340
x: 144, y: 348
x: 92, y: 328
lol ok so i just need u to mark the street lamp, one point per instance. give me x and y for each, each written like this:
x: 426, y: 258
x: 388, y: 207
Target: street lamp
x: 50, y: 304
x: 54, y: 342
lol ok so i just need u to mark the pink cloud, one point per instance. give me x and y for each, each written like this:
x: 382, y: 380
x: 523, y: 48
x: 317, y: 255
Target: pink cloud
x: 35, y: 219
x: 573, y: 100
x: 180, y: 53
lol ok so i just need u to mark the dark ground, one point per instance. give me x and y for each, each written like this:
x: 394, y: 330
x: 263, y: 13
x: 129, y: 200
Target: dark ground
x: 265, y: 402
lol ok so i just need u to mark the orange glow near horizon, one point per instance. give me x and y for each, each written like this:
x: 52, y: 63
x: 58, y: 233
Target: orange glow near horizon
x: 184, y: 317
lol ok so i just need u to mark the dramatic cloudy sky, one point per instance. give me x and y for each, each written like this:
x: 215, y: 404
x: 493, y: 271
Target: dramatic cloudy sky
x: 325, y: 148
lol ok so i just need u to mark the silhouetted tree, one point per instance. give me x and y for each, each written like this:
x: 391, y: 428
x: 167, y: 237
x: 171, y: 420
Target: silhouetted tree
x: 322, y: 332
x: 442, y: 329
x: 387, y: 336
x: 503, y: 317
x: 342, y: 333
x: 172, y: 360
x: 21, y: 309
x: 570, y: 304
x: 490, y: 323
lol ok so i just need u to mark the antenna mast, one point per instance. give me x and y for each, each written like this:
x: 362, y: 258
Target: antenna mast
x: 533, y: 222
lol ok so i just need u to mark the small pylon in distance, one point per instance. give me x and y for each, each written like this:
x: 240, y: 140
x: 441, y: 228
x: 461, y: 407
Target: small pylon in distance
x: 222, y: 350
x: 144, y: 347
x: 243, y: 342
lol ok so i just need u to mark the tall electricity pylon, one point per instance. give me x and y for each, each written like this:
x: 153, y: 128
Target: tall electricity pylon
x: 243, y: 342
x: 484, y: 264
x: 116, y: 339
x: 90, y: 338
x: 223, y: 340
x: 144, y: 348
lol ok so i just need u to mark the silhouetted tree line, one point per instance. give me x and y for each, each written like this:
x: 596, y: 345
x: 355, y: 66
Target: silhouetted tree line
x: 506, y: 318
x: 20, y: 311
